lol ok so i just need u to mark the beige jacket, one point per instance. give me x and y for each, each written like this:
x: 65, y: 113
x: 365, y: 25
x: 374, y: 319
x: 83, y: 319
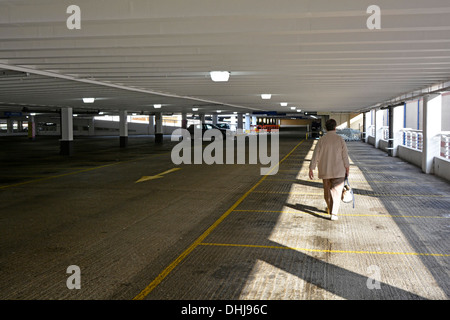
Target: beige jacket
x: 330, y: 156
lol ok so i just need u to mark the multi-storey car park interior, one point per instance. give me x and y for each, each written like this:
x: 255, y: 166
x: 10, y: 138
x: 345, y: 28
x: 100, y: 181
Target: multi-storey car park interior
x: 95, y: 204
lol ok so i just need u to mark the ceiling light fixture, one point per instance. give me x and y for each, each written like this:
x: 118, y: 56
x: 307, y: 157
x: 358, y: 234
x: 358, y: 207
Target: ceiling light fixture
x: 194, y: 109
x: 284, y: 104
x: 219, y: 76
x: 88, y: 100
x: 157, y: 106
x: 292, y: 108
x: 266, y: 96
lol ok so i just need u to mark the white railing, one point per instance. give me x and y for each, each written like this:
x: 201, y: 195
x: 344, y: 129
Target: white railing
x: 412, y: 138
x: 445, y: 145
x: 385, y: 133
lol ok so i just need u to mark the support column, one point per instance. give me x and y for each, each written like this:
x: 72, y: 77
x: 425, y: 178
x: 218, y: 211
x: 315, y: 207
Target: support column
x: 378, y: 127
x: 9, y: 125
x: 92, y: 126
x: 214, y: 119
x: 432, y: 122
x: 364, y: 128
x: 202, y: 117
x: 158, y: 128
x: 66, y: 142
x: 151, y: 124
x: 240, y: 121
x: 123, y: 128
x: 31, y: 128
x: 184, y: 120
x: 247, y: 122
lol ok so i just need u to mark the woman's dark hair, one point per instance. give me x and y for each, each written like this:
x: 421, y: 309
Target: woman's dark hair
x: 330, y: 125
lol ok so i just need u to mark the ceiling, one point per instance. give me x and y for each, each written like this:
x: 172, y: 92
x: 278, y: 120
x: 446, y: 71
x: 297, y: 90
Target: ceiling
x: 316, y: 55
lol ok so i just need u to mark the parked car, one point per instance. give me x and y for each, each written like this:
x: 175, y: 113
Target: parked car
x: 205, y: 127
x: 225, y: 126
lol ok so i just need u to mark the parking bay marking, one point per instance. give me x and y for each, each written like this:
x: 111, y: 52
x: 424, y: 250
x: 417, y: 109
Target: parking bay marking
x: 158, y: 176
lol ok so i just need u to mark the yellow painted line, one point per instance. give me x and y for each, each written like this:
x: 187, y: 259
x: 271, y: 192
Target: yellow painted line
x: 352, y: 181
x: 325, y: 250
x: 158, y: 176
x: 347, y: 214
x: 200, y: 239
x: 75, y: 172
x: 58, y: 176
x: 369, y: 194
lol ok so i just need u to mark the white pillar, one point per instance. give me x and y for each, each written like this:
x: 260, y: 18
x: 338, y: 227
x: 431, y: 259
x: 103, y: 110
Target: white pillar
x: 123, y: 128
x: 247, y: 122
x: 151, y: 124
x: 66, y: 142
x: 432, y: 111
x: 378, y: 127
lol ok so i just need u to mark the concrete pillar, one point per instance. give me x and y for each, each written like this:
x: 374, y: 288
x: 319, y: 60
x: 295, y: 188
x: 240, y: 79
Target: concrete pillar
x: 432, y: 122
x: 151, y: 124
x: 247, y: 122
x: 184, y: 120
x: 158, y: 128
x: 20, y: 125
x: 215, y: 118
x: 396, y: 115
x: 92, y: 126
x: 202, y: 117
x: 378, y: 127
x: 31, y: 127
x: 9, y: 125
x: 123, y: 128
x: 66, y: 142
x: 364, y: 128
x: 240, y: 121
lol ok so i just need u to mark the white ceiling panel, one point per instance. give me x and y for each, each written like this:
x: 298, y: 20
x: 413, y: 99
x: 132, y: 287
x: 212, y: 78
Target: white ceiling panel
x: 316, y: 55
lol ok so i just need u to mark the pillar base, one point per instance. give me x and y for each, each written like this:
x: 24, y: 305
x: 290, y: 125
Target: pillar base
x: 123, y: 142
x: 159, y: 138
x: 66, y: 148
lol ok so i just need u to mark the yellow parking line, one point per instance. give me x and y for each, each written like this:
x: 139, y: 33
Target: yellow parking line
x: 368, y: 194
x: 200, y: 239
x: 324, y: 250
x: 348, y: 214
x: 74, y: 172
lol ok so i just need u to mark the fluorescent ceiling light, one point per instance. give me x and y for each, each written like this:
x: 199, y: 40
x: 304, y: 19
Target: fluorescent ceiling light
x: 266, y: 96
x: 219, y: 76
x: 219, y: 111
x: 157, y: 106
x: 292, y: 108
x: 283, y: 104
x: 299, y: 110
x: 88, y: 100
x: 194, y: 109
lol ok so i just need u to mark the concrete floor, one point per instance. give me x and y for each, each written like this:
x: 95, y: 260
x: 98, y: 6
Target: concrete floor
x: 215, y: 232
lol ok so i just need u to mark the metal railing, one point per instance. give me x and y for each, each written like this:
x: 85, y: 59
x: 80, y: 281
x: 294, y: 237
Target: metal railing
x: 412, y: 138
x: 445, y: 145
x: 385, y: 133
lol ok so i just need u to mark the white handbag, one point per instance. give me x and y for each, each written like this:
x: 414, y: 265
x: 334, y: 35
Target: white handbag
x: 347, y: 193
